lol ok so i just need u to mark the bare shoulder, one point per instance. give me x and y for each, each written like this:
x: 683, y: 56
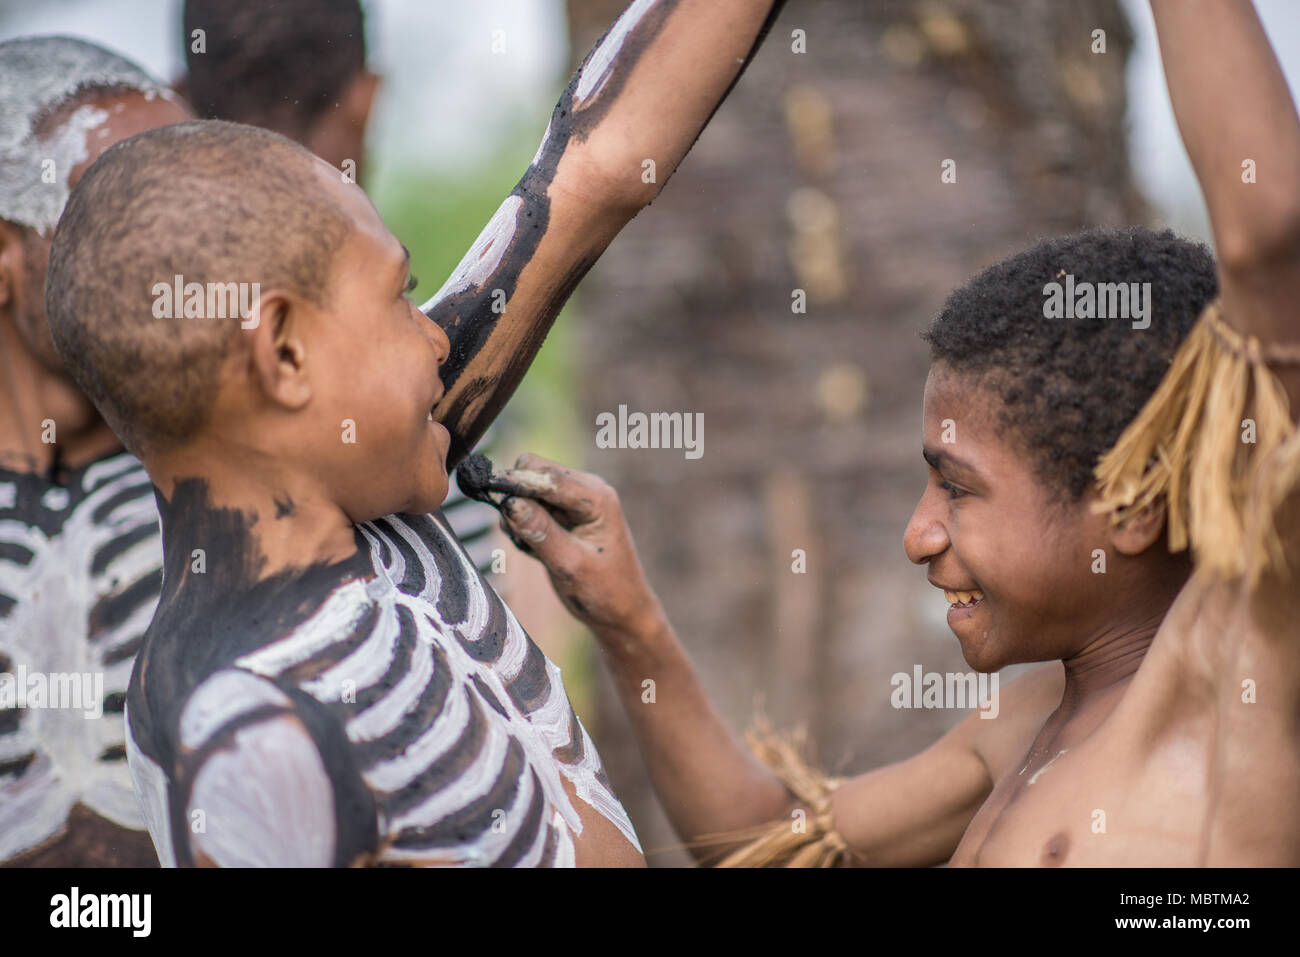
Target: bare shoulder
x: 1023, y: 707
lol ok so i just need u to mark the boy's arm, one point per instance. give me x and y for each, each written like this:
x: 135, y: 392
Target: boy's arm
x: 1239, y: 124
x: 264, y: 799
x: 912, y: 812
x: 1241, y: 131
x: 262, y: 780
x: 626, y: 120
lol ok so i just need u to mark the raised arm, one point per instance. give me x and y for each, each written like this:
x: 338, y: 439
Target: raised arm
x: 628, y: 117
x: 1241, y: 131
x: 1240, y: 127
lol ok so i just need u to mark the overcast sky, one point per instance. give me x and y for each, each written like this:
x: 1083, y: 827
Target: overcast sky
x: 447, y: 99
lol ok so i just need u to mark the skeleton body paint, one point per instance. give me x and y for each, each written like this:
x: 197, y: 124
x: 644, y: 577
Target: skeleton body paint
x: 493, y: 336
x: 80, y: 573
x: 80, y: 555
x: 388, y: 709
x: 453, y: 741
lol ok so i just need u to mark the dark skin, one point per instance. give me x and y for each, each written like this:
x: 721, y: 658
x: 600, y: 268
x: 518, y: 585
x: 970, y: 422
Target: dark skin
x: 314, y: 489
x: 39, y: 388
x: 419, y: 393
x: 1141, y: 744
x: 999, y: 531
x: 338, y: 133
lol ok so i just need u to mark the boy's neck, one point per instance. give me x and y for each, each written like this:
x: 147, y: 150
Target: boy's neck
x: 1110, y: 659
x: 284, y: 519
x: 44, y: 418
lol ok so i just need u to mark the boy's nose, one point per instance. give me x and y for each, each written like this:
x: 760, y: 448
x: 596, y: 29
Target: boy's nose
x: 925, y: 537
x: 441, y: 344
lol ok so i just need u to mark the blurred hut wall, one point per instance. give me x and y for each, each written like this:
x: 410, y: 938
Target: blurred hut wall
x: 821, y: 179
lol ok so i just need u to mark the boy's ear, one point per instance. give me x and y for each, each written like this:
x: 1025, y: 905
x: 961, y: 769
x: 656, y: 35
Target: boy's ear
x: 359, y: 97
x: 1140, y: 530
x: 279, y: 350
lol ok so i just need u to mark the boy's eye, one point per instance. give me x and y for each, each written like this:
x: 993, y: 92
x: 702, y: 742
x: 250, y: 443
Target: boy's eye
x: 410, y: 286
x: 952, y: 490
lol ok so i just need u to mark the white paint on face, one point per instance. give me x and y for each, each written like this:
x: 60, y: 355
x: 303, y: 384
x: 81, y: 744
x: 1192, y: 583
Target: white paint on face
x: 599, y: 68
x: 39, y: 75
x: 485, y: 255
x: 66, y: 146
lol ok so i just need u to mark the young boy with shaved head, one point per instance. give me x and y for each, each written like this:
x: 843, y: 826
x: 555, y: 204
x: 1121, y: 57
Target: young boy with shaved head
x: 327, y: 679
x: 1116, y: 492
x: 298, y: 67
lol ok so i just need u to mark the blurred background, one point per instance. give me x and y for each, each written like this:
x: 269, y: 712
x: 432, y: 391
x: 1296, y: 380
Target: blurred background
x: 820, y: 173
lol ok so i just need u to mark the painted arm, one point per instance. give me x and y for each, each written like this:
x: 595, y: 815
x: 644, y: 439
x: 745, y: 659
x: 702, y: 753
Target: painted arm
x: 644, y: 93
x: 1239, y: 124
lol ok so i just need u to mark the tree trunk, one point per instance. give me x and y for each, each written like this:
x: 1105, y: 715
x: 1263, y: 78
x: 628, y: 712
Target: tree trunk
x: 821, y: 177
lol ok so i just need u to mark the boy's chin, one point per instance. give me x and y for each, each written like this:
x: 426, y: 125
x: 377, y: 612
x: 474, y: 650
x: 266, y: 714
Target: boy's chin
x: 983, y: 655
x: 431, y: 497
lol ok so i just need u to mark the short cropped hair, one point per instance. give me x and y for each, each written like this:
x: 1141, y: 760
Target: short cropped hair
x: 1070, y: 386
x: 44, y: 76
x: 211, y: 202
x: 277, y: 65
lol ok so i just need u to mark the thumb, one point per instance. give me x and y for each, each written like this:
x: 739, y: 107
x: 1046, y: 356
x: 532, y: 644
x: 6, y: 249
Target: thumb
x: 532, y: 526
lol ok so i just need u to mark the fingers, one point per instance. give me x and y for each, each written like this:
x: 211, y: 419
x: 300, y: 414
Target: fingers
x: 583, y: 497
x: 531, y: 527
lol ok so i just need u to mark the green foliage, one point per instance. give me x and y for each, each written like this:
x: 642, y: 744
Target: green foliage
x: 438, y: 219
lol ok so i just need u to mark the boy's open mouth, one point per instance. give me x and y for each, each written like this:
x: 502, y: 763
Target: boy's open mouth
x: 964, y: 599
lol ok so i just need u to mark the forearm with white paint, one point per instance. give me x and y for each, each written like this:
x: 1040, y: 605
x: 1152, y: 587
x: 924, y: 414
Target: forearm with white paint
x: 626, y: 120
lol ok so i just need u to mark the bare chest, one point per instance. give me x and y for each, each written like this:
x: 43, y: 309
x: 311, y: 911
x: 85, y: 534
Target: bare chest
x: 1100, y: 801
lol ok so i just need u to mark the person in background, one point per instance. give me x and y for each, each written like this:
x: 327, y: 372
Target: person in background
x: 299, y: 68
x: 80, y: 547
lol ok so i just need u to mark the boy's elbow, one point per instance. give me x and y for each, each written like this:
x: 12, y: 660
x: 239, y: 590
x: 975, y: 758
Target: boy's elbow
x: 1265, y: 241
x: 617, y: 187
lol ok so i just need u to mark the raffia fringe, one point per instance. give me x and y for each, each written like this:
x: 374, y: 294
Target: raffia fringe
x: 779, y: 844
x: 1186, y: 450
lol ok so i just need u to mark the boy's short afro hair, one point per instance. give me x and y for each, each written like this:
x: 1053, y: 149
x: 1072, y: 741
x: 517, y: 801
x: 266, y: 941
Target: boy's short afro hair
x: 1069, y: 387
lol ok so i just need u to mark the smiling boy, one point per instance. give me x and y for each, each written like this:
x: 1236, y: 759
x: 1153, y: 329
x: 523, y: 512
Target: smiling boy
x: 328, y: 680
x: 1072, y: 464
